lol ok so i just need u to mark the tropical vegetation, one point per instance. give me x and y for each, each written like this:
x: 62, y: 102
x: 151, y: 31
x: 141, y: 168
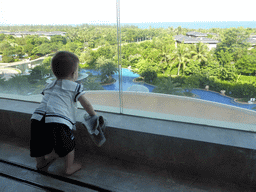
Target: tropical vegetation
x: 152, y: 53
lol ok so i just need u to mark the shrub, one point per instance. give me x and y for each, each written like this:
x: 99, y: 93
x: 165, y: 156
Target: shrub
x: 149, y: 75
x: 237, y: 90
x: 244, y: 78
x: 7, y: 59
x: 92, y: 83
x: 167, y: 86
x: 107, y: 69
x: 179, y: 79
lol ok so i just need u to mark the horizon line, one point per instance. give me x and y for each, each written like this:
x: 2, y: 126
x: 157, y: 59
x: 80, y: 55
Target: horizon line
x: 109, y: 23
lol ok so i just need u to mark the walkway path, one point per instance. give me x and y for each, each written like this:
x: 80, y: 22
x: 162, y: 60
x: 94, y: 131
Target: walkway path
x: 25, y: 61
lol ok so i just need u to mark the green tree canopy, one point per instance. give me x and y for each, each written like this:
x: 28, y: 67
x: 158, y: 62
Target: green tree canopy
x: 58, y: 38
x: 107, y: 69
x: 224, y: 57
x: 228, y: 72
x: 44, y: 49
x: 247, y: 65
x: 181, y: 56
x: 193, y: 67
x: 144, y: 65
x: 233, y: 40
x: 200, y: 52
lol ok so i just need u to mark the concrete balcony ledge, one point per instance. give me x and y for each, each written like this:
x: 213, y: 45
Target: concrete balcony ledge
x: 193, y: 148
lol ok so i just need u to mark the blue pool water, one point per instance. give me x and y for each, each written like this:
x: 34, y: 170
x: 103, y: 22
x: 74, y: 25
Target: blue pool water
x: 216, y: 97
x: 128, y: 77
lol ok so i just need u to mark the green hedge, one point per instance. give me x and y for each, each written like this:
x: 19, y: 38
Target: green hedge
x: 237, y: 90
x: 247, y: 78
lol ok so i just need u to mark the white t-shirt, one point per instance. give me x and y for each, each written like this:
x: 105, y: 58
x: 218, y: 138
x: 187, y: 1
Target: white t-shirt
x: 59, y: 103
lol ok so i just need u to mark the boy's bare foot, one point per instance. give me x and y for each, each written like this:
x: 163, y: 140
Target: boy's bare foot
x: 43, y: 166
x: 74, y: 168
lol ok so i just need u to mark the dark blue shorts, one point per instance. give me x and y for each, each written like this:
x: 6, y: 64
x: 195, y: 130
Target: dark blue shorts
x: 48, y: 136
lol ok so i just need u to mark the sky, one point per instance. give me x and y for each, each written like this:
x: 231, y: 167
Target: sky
x: 131, y: 11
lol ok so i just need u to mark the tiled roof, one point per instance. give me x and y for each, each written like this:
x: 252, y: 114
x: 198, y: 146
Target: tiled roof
x: 253, y: 36
x: 186, y: 39
x: 211, y: 34
x: 34, y: 33
x: 196, y: 34
x: 177, y: 37
x: 251, y: 40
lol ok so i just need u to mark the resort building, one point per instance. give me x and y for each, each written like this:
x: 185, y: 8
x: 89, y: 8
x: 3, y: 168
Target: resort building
x: 195, y: 34
x: 252, y: 41
x: 195, y: 37
x: 48, y: 35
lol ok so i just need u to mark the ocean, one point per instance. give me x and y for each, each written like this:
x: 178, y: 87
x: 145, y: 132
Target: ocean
x: 200, y: 25
x: 190, y: 25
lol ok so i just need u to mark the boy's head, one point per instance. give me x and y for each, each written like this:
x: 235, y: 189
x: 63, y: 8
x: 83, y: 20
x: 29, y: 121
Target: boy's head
x: 64, y: 64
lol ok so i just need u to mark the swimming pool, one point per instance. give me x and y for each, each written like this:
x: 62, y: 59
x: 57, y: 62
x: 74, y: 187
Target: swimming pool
x: 216, y: 97
x: 128, y: 77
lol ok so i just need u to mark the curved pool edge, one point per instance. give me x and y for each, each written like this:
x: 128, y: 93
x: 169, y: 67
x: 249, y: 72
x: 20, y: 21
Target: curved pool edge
x: 232, y: 101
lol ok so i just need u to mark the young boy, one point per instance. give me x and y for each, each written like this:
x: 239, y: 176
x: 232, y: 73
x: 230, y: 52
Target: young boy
x: 53, y: 120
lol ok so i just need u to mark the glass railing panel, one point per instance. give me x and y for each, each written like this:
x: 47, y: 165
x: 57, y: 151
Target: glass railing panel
x: 194, y: 72
x: 26, y: 52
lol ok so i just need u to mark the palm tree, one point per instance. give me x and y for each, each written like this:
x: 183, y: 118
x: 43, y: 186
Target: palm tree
x: 167, y: 86
x: 165, y: 57
x: 107, y: 69
x: 200, y: 52
x: 181, y: 55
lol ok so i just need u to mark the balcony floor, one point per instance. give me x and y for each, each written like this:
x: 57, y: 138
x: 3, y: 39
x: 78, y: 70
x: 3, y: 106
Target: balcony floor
x: 111, y: 174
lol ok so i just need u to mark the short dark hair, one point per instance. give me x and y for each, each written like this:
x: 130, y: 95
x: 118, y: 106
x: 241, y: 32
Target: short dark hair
x: 64, y: 63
